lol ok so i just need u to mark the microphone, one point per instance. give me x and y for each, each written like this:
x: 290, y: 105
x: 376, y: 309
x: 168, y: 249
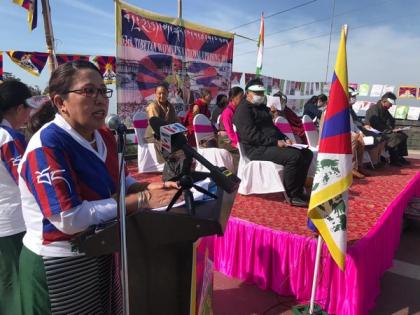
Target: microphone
x: 113, y: 122
x: 223, y: 178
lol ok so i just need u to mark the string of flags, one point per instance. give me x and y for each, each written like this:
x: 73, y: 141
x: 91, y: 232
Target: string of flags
x: 34, y: 62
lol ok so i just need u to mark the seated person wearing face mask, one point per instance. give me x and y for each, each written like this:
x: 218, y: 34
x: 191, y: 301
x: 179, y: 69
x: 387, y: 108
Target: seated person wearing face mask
x: 262, y: 141
x: 294, y: 121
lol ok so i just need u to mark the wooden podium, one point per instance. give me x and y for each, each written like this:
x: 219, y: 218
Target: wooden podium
x: 159, y: 249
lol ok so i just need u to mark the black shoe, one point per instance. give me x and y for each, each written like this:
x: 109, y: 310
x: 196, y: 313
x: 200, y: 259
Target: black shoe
x: 396, y: 163
x: 298, y: 202
x: 403, y: 161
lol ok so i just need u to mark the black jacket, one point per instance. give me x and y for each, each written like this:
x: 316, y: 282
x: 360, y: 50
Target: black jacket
x: 255, y: 127
x: 312, y: 110
x: 380, y: 118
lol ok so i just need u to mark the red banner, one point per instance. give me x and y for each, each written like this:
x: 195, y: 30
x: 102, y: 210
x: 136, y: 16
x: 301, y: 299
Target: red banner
x: 63, y: 58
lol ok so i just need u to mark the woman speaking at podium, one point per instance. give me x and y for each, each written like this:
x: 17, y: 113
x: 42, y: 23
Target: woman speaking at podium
x: 68, y: 181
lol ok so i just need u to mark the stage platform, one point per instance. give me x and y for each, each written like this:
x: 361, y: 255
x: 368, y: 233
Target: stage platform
x: 267, y: 242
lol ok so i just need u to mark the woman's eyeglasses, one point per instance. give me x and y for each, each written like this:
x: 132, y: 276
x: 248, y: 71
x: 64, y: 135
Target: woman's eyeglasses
x: 93, y: 92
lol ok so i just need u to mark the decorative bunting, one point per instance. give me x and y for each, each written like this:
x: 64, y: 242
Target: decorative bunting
x: 407, y: 92
x: 388, y: 88
x: 63, y: 58
x: 364, y: 89
x: 106, y: 65
x: 33, y: 62
x: 32, y: 7
x: 376, y: 90
x: 276, y: 84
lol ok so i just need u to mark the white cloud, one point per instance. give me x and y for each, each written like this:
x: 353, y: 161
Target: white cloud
x: 88, y: 8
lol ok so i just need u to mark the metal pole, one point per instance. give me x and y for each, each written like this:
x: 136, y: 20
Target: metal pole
x: 317, y: 259
x: 179, y: 9
x: 49, y: 35
x: 123, y: 236
x: 329, y: 43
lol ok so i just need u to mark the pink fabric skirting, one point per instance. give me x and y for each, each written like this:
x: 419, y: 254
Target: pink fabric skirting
x: 284, y: 262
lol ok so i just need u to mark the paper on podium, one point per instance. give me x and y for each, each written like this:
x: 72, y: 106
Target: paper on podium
x: 207, y: 184
x: 298, y: 146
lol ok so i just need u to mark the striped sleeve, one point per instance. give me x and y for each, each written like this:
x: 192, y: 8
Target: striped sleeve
x: 51, y: 179
x: 11, y: 153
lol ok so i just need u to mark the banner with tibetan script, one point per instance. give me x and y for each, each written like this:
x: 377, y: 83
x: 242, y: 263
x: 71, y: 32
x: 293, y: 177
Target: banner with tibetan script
x: 153, y: 48
x: 33, y: 62
x: 106, y: 65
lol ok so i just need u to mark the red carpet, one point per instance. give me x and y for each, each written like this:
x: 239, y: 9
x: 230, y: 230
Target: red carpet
x: 368, y: 199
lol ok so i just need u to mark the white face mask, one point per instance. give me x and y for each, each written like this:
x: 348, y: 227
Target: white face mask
x: 257, y: 99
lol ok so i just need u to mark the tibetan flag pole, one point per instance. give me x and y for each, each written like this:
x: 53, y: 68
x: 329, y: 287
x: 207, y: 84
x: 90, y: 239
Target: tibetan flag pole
x: 260, y: 48
x: 49, y: 35
x: 328, y: 206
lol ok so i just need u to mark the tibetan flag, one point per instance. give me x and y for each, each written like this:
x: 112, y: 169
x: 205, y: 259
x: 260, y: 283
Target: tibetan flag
x: 31, y: 6
x: 106, y: 65
x: 260, y: 48
x: 1, y: 66
x: 33, y: 62
x: 63, y: 58
x: 329, y: 203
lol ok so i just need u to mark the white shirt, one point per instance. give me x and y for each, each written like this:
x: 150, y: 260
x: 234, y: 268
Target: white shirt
x: 11, y: 220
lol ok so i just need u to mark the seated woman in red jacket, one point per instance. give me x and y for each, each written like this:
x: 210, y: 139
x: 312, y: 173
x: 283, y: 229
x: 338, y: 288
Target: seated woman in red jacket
x: 200, y: 106
x: 294, y: 121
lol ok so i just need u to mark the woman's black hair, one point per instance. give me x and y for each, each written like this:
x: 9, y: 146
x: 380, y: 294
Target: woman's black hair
x: 312, y: 100
x: 163, y: 85
x: 45, y: 114
x: 322, y: 97
x: 62, y: 78
x: 219, y: 100
x: 390, y: 95
x: 281, y: 95
x: 235, y: 91
x: 12, y: 94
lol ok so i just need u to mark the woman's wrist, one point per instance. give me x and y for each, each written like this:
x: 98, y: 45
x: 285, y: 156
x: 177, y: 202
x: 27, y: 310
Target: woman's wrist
x: 143, y: 199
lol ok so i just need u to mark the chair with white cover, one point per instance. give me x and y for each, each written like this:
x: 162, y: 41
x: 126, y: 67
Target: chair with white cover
x: 259, y: 177
x: 146, y: 153
x: 311, y: 132
x: 203, y: 130
x: 283, y: 125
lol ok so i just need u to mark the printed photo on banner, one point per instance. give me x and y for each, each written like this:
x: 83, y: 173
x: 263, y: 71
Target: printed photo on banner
x: 407, y: 92
x: 376, y: 90
x: 364, y: 89
x: 268, y: 83
x: 276, y: 85
x: 413, y: 113
x: 401, y: 112
x: 235, y: 78
x: 152, y: 49
x: 249, y: 77
x: 388, y: 88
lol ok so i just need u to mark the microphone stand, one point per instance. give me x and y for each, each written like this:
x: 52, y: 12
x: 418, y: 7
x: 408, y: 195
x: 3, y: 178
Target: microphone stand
x: 186, y: 182
x: 121, y: 132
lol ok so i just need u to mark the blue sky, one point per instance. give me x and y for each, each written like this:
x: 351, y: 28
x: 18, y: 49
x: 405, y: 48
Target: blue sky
x: 383, y: 42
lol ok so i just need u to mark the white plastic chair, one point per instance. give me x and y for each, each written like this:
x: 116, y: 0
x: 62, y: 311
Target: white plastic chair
x: 203, y: 130
x: 311, y: 132
x: 259, y: 177
x: 146, y: 153
x: 283, y: 125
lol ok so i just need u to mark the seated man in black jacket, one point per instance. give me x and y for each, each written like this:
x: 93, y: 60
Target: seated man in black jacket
x: 379, y: 118
x: 262, y: 141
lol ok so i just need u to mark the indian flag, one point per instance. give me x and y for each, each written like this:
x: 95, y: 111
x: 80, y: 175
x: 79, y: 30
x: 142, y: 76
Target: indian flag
x: 260, y: 48
x: 328, y: 206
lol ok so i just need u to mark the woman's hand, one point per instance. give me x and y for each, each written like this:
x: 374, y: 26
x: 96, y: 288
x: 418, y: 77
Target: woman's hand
x: 164, y: 185
x: 159, y: 198
x: 281, y: 143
